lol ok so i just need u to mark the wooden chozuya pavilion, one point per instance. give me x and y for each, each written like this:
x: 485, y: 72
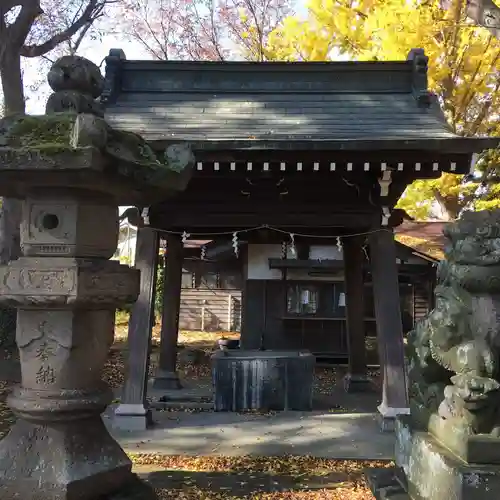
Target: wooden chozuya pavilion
x: 318, y: 149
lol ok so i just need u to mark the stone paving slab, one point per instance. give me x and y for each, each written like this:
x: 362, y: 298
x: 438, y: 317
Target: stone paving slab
x: 326, y: 435
x: 237, y: 483
x: 188, y: 393
x: 198, y: 394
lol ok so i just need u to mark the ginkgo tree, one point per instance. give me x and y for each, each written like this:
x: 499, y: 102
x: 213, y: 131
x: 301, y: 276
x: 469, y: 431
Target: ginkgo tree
x: 464, y: 64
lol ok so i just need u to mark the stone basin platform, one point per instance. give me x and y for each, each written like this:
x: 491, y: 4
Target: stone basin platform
x: 263, y: 380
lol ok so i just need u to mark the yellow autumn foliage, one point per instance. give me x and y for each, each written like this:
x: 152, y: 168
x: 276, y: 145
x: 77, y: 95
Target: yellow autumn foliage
x: 464, y: 64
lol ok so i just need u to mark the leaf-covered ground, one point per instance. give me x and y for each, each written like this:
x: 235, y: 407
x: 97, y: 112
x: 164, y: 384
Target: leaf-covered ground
x: 288, y: 477
x: 227, y: 478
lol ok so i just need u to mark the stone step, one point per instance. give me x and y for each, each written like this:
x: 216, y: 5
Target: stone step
x: 180, y: 405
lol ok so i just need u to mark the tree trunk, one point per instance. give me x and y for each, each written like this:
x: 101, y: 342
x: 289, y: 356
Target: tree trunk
x: 10, y: 213
x: 12, y: 82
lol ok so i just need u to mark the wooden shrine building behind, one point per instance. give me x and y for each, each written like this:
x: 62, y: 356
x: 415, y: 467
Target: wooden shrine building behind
x: 308, y: 149
x: 212, y: 291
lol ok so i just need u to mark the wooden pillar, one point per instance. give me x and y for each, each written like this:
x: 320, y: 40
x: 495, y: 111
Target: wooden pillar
x: 251, y: 314
x: 243, y: 322
x: 166, y: 375
x: 133, y: 412
x: 389, y: 327
x: 356, y: 378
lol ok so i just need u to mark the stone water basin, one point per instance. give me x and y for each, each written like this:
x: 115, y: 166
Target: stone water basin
x: 262, y: 380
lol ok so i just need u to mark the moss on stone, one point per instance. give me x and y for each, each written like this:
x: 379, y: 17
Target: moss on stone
x: 50, y: 133
x: 56, y: 133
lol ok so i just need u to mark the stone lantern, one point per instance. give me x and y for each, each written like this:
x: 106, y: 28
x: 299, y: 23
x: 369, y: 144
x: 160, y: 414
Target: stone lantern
x: 72, y: 171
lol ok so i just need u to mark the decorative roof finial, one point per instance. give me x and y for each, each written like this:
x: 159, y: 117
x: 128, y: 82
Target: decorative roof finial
x: 420, y: 64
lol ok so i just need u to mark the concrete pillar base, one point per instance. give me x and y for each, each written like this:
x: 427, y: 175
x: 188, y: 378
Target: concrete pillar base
x: 387, y: 416
x: 132, y: 417
x: 166, y: 381
x: 357, y: 383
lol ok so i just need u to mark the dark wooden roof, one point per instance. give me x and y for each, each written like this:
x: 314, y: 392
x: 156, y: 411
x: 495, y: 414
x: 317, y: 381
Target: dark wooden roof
x: 279, y: 105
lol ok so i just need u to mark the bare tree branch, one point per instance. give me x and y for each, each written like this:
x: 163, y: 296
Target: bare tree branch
x: 88, y: 16
x: 75, y: 45
x: 16, y: 33
x: 204, y: 29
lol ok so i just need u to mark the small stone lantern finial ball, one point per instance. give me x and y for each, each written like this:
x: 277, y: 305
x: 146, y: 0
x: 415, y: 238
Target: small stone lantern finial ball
x: 76, y: 74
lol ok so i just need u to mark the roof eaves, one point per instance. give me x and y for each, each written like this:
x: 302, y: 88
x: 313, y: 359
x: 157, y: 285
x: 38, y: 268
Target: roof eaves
x: 452, y: 144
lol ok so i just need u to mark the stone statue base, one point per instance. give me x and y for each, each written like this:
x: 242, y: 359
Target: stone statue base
x: 425, y: 470
x: 58, y: 462
x: 476, y: 449
x: 166, y: 381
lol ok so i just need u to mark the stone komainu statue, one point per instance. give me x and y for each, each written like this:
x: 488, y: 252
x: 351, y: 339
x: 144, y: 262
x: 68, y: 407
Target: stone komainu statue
x: 454, y: 353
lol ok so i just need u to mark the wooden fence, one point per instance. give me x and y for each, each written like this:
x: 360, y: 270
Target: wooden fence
x: 210, y: 310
